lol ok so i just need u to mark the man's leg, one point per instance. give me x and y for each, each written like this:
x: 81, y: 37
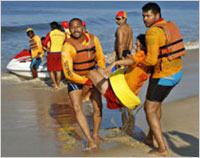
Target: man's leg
x: 75, y: 97
x: 154, y: 124
x: 34, y: 72
x: 97, y: 116
x: 150, y: 139
x: 52, y: 75
x: 58, y: 77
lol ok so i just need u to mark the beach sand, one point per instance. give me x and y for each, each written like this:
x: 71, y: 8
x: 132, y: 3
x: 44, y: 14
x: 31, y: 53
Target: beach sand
x: 37, y: 121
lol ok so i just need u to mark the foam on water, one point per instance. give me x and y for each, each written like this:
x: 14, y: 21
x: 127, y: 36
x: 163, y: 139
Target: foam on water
x: 192, y: 45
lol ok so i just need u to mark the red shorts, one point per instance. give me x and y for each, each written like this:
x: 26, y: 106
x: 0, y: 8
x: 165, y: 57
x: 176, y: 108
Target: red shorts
x: 54, y: 62
x: 112, y: 101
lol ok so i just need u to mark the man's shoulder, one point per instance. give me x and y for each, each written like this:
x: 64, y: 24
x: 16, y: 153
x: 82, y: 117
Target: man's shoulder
x: 154, y: 30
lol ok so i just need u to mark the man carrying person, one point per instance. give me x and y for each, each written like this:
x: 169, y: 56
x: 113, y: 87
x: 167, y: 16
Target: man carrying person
x: 53, y: 43
x: 36, y: 51
x: 164, y: 50
x: 80, y: 54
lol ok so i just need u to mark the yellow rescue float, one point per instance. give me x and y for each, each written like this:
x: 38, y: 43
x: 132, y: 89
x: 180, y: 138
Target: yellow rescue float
x: 122, y: 90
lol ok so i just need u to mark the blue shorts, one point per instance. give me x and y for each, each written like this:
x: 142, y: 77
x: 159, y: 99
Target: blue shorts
x: 35, y: 63
x: 73, y: 86
x: 159, y: 88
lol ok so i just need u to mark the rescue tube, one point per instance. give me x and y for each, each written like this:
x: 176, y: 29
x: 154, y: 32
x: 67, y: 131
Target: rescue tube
x: 122, y: 90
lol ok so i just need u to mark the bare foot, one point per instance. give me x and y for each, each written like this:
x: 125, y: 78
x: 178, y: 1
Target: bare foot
x: 55, y: 86
x: 160, y: 153
x: 91, y: 145
x: 98, y: 139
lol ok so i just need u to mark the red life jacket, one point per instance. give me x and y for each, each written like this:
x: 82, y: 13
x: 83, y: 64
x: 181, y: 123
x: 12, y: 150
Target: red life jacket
x: 174, y: 47
x: 85, y: 58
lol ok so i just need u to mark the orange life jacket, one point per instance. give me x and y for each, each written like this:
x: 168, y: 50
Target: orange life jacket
x: 85, y: 58
x: 174, y: 47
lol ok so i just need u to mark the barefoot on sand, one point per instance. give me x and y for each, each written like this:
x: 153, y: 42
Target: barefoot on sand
x: 98, y: 139
x: 91, y: 146
x: 160, y: 153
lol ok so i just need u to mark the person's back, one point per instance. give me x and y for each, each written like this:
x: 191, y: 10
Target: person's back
x: 127, y: 32
x: 53, y: 43
x: 57, y: 40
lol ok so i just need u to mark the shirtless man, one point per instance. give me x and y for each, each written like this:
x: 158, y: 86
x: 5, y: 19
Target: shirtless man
x: 124, y: 36
x: 123, y: 46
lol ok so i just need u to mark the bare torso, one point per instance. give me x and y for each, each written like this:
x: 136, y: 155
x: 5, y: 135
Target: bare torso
x: 124, y: 38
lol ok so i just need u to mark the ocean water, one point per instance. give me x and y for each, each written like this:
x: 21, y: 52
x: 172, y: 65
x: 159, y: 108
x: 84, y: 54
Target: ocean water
x: 17, y: 16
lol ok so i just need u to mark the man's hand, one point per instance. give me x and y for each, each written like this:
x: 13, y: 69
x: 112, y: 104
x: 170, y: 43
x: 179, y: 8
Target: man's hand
x: 108, y: 70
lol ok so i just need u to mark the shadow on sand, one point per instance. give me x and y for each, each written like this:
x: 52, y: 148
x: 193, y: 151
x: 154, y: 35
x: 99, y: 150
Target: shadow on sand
x: 191, y: 147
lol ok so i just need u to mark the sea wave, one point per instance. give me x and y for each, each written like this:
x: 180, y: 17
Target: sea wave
x: 192, y: 45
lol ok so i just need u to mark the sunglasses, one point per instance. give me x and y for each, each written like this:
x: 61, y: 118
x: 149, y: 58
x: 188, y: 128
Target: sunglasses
x: 118, y: 19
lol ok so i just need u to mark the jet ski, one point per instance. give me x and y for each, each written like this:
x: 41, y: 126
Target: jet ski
x: 20, y: 65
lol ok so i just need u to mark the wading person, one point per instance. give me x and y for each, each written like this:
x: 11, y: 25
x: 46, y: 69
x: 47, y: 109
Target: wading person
x: 164, y: 50
x: 80, y: 54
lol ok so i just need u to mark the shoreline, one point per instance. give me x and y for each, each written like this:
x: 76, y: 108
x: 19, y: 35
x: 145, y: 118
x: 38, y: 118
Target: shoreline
x: 42, y: 120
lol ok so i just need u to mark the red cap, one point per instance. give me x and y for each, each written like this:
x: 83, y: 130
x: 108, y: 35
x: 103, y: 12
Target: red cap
x: 83, y: 23
x: 122, y: 14
x: 65, y: 24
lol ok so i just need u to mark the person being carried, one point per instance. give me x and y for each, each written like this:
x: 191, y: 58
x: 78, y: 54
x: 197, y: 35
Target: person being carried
x: 124, y: 36
x: 53, y: 43
x: 80, y: 54
x: 123, y: 91
x: 36, y: 51
x: 164, y: 50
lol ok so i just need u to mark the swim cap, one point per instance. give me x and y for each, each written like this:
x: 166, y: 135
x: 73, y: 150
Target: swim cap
x: 122, y: 14
x: 83, y: 23
x: 65, y: 24
x: 29, y: 29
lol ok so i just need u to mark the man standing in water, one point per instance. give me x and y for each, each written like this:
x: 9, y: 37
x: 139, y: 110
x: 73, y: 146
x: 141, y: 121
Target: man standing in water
x: 123, y: 46
x: 164, y: 55
x: 79, y: 55
x: 124, y: 36
x: 36, y: 51
x: 53, y: 43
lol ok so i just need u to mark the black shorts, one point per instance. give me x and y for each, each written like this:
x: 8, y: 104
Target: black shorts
x: 124, y: 54
x: 73, y: 86
x: 156, y: 92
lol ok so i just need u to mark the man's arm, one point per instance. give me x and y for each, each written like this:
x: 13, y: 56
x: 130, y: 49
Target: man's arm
x: 99, y: 54
x: 120, y: 43
x: 46, y: 40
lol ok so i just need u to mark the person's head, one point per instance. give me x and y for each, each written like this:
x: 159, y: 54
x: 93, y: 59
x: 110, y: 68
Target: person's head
x: 30, y: 32
x: 65, y: 24
x: 140, y: 43
x: 151, y: 13
x: 54, y: 25
x: 121, y: 17
x: 76, y: 28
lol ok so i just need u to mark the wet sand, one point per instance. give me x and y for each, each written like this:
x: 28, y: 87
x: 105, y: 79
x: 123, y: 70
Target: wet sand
x: 39, y: 122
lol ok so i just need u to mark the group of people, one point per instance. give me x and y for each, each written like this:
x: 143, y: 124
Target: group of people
x: 80, y: 55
